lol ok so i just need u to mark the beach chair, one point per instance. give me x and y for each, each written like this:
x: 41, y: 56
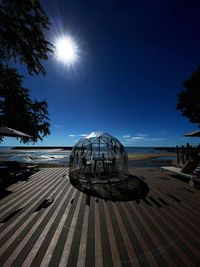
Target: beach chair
x: 188, y: 170
x: 16, y: 169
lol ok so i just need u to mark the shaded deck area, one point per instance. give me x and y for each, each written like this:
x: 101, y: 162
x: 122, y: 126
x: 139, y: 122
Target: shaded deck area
x: 78, y: 230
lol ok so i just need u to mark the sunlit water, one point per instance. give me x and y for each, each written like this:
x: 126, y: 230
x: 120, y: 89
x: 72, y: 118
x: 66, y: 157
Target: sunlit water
x: 34, y: 156
x: 60, y: 156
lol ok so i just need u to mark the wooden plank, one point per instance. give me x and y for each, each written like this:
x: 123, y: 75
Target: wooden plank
x: 14, y: 223
x: 74, y: 250
x: 45, y: 244
x: 160, y: 253
x: 63, y: 236
x: 83, y: 242
x: 144, y: 254
x: 106, y: 251
x: 98, y: 239
x: 70, y: 246
x: 19, y: 260
x: 156, y: 231
x: 113, y: 244
x: 90, y: 249
x: 55, y: 238
x: 38, y: 245
x: 27, y: 197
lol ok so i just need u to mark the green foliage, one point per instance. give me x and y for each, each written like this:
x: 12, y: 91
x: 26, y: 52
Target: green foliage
x: 22, y: 26
x: 21, y: 34
x: 189, y: 100
x: 19, y: 110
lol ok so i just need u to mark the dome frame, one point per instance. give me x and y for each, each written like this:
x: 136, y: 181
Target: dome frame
x: 98, y: 158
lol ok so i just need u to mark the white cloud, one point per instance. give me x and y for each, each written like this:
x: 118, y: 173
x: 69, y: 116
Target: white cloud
x: 126, y: 136
x: 154, y: 139
x: 72, y: 135
x: 141, y: 138
x: 136, y: 138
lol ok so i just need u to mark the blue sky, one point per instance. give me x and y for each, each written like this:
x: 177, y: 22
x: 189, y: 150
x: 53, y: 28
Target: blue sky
x: 134, y: 56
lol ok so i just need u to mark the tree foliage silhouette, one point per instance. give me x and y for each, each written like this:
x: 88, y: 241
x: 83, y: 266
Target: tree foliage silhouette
x: 189, y: 100
x: 22, y: 40
x: 20, y: 111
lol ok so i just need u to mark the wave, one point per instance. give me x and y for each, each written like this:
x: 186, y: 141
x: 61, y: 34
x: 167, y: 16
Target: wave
x: 35, y: 157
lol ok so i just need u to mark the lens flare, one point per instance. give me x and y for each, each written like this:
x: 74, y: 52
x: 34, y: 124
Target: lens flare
x: 66, y: 50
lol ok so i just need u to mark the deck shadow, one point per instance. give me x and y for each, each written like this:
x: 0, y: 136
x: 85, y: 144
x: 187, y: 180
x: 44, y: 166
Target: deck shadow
x: 45, y: 204
x: 179, y: 177
x: 173, y: 197
x: 10, y: 216
x: 155, y: 202
x: 6, y: 181
x: 4, y: 192
x: 132, y: 188
x: 163, y: 178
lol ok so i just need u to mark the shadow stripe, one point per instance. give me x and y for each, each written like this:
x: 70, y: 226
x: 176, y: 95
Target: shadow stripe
x: 17, y: 186
x: 158, y: 233
x: 181, y: 215
x: 35, y: 190
x: 45, y: 193
x: 73, y: 255
x: 183, y: 212
x: 4, y: 201
x: 19, y: 260
x: 64, y: 233
x: 83, y: 239
x: 185, y: 248
x: 151, y: 245
x: 15, y: 197
x: 171, y: 187
x: 18, y: 221
x: 113, y: 245
x: 90, y: 249
x: 183, y: 209
x: 173, y: 236
x: 30, y: 183
x: 159, y: 249
x: 118, y: 237
x: 44, y: 246
x: 106, y: 251
x: 133, y: 238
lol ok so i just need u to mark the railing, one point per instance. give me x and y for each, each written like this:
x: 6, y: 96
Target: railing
x: 187, y: 153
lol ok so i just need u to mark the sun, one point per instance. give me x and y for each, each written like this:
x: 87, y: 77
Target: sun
x: 66, y: 50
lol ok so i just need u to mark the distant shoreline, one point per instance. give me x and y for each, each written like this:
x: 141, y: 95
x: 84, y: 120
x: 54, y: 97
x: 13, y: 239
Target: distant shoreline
x: 169, y: 149
x: 41, y: 147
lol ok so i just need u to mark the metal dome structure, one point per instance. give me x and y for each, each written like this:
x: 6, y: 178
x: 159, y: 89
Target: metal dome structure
x: 98, y: 158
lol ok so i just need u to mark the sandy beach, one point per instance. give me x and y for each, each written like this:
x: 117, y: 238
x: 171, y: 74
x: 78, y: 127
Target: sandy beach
x: 148, y: 156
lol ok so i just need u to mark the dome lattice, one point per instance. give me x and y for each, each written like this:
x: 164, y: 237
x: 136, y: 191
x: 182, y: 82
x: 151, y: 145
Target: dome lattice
x: 98, y: 158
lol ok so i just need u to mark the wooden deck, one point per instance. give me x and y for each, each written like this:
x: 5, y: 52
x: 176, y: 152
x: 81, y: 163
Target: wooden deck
x: 161, y: 230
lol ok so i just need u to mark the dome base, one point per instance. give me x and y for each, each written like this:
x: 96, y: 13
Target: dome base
x: 131, y: 188
x: 101, y: 177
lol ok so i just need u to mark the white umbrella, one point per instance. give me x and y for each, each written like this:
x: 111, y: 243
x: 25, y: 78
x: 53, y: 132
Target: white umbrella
x: 5, y: 131
x: 193, y: 134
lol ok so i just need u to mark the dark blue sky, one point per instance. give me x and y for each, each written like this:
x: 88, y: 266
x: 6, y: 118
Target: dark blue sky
x: 134, y: 56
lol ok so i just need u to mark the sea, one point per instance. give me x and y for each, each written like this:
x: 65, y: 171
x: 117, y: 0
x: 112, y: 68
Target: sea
x: 61, y: 156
